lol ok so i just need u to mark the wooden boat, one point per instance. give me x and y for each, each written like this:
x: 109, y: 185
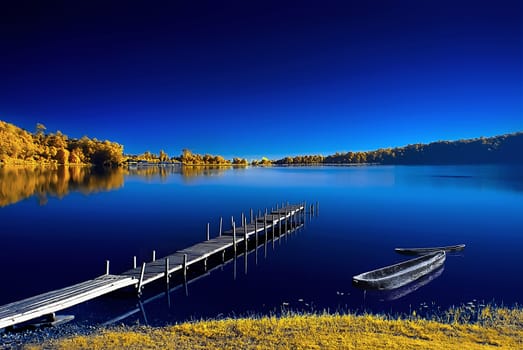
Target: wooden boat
x: 395, y: 276
x: 420, y: 251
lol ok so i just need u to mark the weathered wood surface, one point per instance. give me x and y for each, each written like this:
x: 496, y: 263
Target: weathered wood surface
x: 155, y: 270
x: 421, y: 251
x: 47, y: 303
x: 398, y: 275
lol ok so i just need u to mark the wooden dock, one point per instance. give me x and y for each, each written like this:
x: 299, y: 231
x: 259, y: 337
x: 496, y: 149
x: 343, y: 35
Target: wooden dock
x: 270, y: 225
x: 51, y: 302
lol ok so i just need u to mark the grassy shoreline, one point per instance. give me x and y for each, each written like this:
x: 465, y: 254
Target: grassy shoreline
x: 495, y: 328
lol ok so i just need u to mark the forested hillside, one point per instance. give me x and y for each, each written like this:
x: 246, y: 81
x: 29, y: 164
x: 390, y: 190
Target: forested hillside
x: 18, y: 146
x: 485, y: 150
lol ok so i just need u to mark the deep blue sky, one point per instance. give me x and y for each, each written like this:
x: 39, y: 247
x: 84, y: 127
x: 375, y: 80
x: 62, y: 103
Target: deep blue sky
x: 255, y: 78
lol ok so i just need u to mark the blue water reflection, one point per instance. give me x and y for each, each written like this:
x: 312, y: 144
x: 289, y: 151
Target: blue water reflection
x: 365, y: 212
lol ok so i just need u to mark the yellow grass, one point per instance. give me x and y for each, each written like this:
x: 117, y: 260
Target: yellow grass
x: 495, y: 329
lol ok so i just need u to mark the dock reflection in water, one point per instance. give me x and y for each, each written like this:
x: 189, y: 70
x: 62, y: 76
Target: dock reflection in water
x: 158, y: 302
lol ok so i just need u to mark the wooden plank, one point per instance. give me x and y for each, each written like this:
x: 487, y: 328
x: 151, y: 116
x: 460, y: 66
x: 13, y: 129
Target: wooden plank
x: 61, y: 293
x: 23, y: 311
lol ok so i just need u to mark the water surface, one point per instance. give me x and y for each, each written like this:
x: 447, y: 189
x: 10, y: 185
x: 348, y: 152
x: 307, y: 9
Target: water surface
x: 59, y: 227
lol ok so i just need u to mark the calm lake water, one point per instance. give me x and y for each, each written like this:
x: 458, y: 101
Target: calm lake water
x: 58, y: 228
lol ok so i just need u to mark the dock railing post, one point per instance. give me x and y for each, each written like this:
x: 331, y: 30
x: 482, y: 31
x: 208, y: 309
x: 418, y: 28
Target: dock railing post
x: 208, y: 231
x: 221, y: 222
x: 154, y: 255
x: 140, y: 283
x: 252, y: 215
x: 106, y: 267
x: 134, y: 262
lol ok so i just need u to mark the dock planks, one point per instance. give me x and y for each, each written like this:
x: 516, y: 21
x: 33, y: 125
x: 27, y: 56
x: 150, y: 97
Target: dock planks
x: 50, y: 302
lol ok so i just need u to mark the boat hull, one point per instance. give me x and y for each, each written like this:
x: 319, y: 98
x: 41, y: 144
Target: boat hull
x: 421, y: 251
x: 398, y: 275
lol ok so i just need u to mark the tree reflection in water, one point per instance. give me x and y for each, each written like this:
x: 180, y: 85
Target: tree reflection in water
x: 18, y: 183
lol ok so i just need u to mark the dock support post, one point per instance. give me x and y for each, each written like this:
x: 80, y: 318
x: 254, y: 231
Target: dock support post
x: 134, y: 262
x: 234, y: 237
x: 252, y: 215
x: 279, y: 223
x: 256, y: 232
x: 184, y: 267
x: 154, y: 255
x: 221, y: 222
x: 234, y: 272
x: 256, y: 238
x: 245, y: 260
x: 245, y: 237
x: 167, y: 271
x: 286, y: 219
x: 243, y: 217
x: 106, y: 267
x: 140, y: 283
x: 208, y: 231
x: 265, y: 233
x: 273, y: 230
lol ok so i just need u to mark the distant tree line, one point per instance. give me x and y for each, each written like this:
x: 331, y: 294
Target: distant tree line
x: 18, y: 146
x: 484, y: 150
